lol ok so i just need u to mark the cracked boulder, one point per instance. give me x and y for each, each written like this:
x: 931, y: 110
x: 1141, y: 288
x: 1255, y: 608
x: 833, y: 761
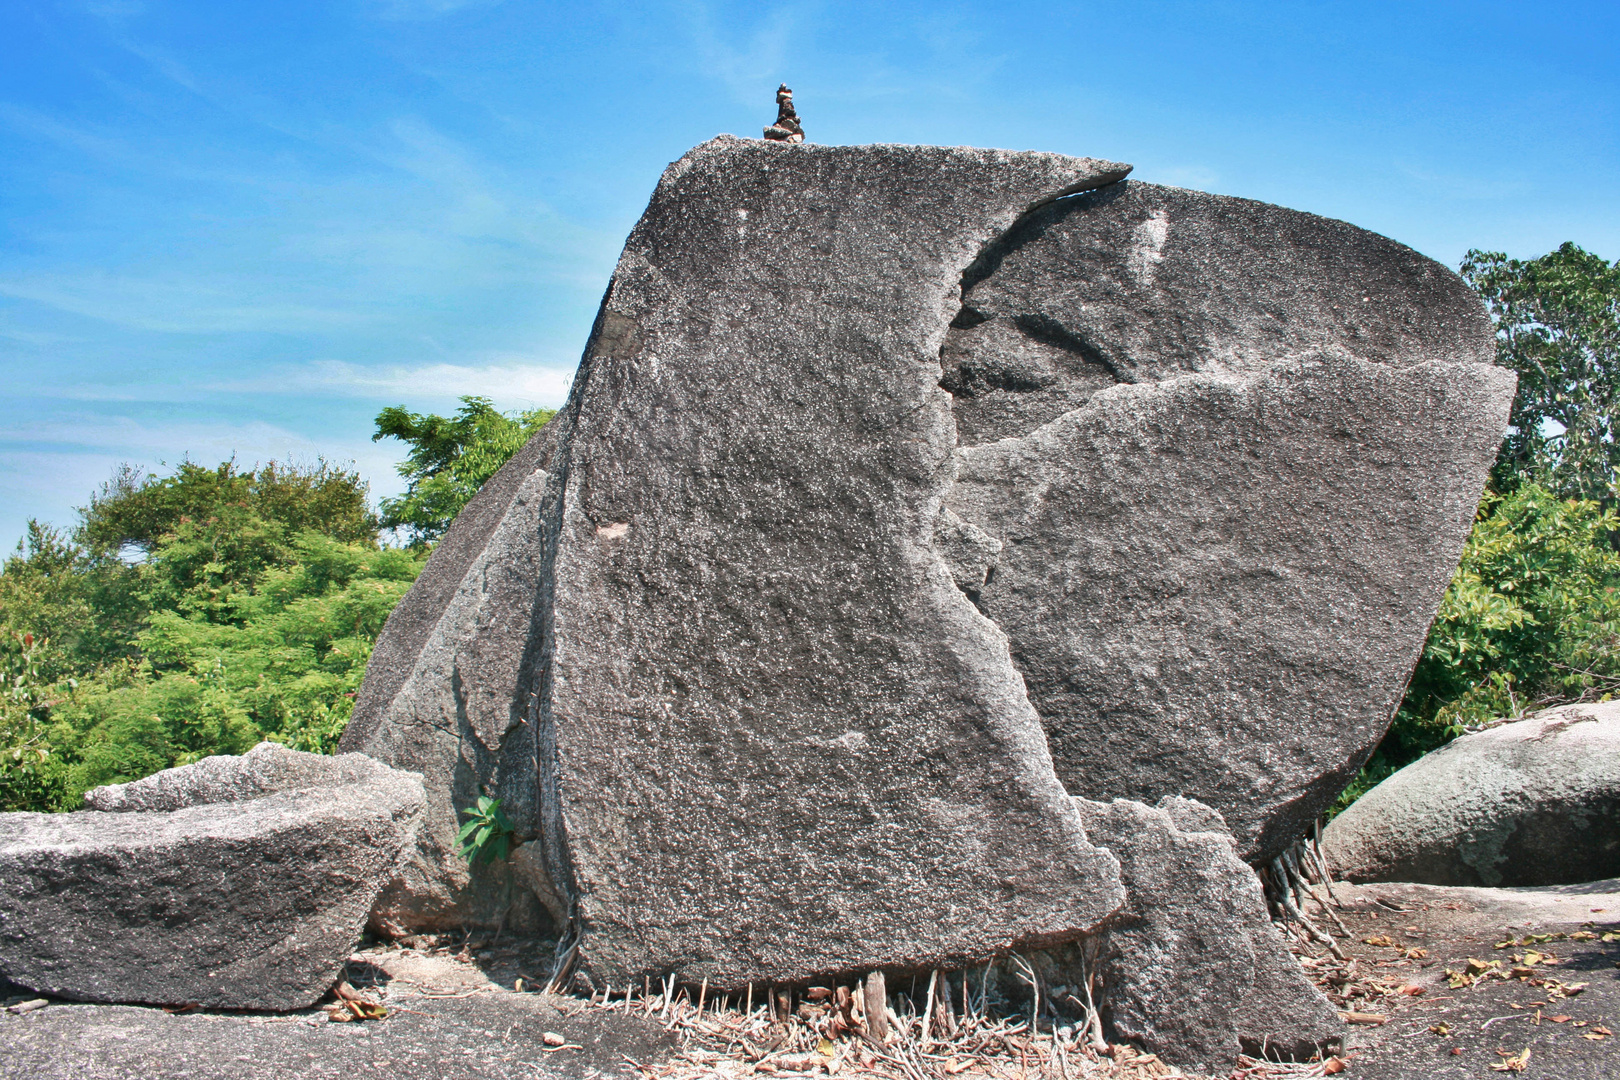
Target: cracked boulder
x: 1230, y: 453
x: 774, y: 736
x: 234, y: 883
x: 1192, y: 968
x: 1529, y: 803
x: 902, y: 493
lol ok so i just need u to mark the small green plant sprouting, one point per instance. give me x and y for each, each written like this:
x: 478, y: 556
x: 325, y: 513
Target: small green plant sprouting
x: 487, y: 835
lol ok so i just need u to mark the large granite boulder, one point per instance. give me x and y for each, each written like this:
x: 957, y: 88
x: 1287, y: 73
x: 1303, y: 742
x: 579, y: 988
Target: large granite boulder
x: 1192, y: 968
x: 238, y: 883
x: 1230, y: 453
x: 775, y: 738
x: 849, y: 420
x: 1533, y: 802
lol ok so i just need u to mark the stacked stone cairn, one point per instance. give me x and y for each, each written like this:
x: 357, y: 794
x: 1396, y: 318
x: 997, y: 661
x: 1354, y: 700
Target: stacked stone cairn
x: 787, y: 128
x: 943, y: 553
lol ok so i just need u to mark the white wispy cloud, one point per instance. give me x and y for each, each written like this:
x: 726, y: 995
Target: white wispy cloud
x: 179, y: 304
x: 510, y: 383
x: 743, y: 57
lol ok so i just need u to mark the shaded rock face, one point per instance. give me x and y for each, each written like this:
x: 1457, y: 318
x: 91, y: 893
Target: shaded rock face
x: 1192, y: 967
x: 1534, y: 802
x: 236, y: 883
x: 1231, y: 453
x: 449, y: 692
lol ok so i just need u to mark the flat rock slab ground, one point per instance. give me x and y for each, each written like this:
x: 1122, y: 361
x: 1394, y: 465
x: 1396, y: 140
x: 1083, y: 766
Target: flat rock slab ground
x: 1453, y: 924
x: 449, y: 1019
x: 457, y: 1018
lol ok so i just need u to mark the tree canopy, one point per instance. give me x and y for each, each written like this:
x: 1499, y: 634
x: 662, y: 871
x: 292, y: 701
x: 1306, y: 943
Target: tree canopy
x: 449, y: 460
x: 1558, y: 325
x: 251, y: 615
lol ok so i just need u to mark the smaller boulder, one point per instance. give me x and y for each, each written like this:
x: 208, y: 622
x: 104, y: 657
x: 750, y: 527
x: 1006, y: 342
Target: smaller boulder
x: 267, y: 769
x: 234, y: 883
x: 1192, y: 967
x: 1526, y: 803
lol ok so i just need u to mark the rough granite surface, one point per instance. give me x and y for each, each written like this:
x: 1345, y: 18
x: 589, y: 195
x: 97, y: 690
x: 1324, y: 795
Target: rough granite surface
x: 267, y: 769
x: 903, y: 492
x: 1529, y: 803
x: 1231, y: 453
x: 238, y: 902
x: 777, y: 739
x: 1192, y: 968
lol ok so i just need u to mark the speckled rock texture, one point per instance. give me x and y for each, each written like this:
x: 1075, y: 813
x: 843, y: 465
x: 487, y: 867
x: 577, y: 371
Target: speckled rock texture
x: 781, y: 740
x: 232, y: 883
x: 267, y: 769
x: 1528, y: 803
x: 1231, y: 453
x: 902, y: 493
x: 1192, y: 967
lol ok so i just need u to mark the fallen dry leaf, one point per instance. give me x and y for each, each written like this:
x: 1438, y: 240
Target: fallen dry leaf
x: 1440, y: 1028
x: 1560, y: 1019
x: 1417, y: 954
x: 1334, y: 1065
x: 1412, y: 990
x: 1367, y: 1019
x: 1593, y: 1035
x: 1382, y: 940
x: 1514, y: 1062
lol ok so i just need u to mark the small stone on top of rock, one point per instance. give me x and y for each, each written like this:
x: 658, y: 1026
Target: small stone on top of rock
x: 786, y: 128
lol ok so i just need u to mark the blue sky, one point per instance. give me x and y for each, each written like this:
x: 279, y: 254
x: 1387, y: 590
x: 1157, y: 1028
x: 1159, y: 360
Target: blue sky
x: 245, y: 228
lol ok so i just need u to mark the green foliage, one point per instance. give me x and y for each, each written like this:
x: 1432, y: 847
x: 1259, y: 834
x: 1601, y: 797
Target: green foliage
x: 449, y: 461
x: 1558, y: 325
x: 241, y: 623
x: 132, y: 510
x: 1531, y: 619
x: 487, y: 835
x: 26, y: 776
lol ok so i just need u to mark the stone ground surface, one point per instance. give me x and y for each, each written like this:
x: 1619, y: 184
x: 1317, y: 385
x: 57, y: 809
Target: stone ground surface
x: 1453, y: 924
x: 460, y: 1018
x: 449, y: 1019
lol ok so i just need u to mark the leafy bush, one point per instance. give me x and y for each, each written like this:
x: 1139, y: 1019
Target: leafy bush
x: 251, y: 616
x: 1531, y: 619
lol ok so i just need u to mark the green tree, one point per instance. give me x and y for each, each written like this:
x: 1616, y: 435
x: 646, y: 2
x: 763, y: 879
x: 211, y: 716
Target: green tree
x: 1557, y: 323
x: 135, y: 510
x: 449, y: 460
x: 251, y: 615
